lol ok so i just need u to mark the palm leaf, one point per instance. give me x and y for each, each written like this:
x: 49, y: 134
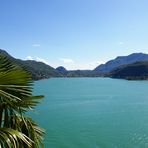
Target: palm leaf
x: 16, y: 130
x: 10, y: 137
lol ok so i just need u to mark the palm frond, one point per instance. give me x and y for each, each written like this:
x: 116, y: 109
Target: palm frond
x: 16, y: 130
x: 33, y: 131
x: 12, y: 138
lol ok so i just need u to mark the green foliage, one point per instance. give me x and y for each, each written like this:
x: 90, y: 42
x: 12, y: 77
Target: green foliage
x: 37, y: 70
x: 134, y: 71
x: 17, y: 130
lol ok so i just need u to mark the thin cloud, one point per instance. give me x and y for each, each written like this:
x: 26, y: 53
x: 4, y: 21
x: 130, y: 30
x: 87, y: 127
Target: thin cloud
x: 71, y: 65
x: 121, y: 43
x: 36, y: 45
x: 94, y: 64
x: 41, y: 60
x: 66, y: 60
x: 29, y: 58
x: 37, y: 59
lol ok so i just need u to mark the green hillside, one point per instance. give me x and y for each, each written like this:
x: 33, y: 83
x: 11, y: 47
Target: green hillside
x: 38, y: 70
x: 134, y: 71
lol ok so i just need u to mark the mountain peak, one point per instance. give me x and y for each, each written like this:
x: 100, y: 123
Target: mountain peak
x: 121, y: 60
x: 38, y: 70
x: 3, y: 52
x: 61, y: 69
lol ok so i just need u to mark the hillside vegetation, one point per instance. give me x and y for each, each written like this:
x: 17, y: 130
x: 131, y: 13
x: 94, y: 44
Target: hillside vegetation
x: 133, y: 66
x: 38, y: 70
x: 134, y: 71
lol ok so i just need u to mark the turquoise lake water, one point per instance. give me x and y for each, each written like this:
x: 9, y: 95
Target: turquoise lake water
x: 93, y: 113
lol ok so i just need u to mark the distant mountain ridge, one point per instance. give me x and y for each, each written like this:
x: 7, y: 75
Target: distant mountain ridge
x: 121, y: 60
x: 134, y: 71
x: 62, y: 70
x: 38, y: 70
x: 125, y: 67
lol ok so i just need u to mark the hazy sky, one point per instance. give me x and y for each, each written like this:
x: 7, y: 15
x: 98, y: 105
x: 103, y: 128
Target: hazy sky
x: 78, y: 34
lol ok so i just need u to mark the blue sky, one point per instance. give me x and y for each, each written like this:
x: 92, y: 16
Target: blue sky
x: 77, y: 34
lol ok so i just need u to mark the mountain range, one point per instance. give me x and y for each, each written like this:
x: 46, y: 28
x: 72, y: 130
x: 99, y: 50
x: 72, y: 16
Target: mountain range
x: 134, y: 71
x: 121, y: 60
x: 38, y: 70
x: 133, y: 66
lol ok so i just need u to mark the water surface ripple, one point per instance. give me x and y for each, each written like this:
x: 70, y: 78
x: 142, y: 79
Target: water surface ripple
x: 93, y: 113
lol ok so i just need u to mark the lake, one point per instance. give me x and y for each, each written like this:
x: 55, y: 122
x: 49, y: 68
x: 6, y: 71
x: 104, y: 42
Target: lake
x: 93, y: 112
